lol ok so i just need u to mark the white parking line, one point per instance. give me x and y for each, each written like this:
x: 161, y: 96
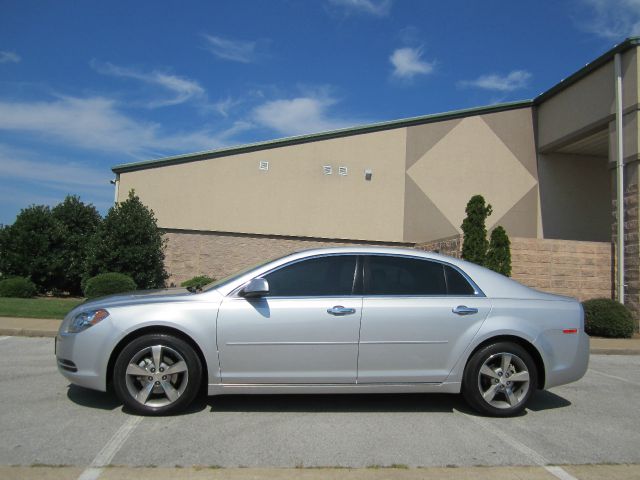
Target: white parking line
x: 4, y: 338
x: 115, y: 443
x: 615, y: 377
x: 534, y: 456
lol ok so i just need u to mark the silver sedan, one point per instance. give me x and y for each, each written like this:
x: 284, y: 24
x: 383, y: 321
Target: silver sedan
x: 337, y: 320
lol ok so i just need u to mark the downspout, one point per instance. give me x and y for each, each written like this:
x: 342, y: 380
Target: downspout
x: 619, y: 176
x: 116, y: 184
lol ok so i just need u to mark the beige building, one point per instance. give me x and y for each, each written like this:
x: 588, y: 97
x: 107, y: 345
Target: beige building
x: 547, y: 166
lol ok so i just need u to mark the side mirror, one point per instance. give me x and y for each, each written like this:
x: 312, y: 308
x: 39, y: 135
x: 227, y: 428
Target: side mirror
x: 258, y: 287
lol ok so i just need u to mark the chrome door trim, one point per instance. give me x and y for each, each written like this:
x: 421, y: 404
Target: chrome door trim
x: 404, y: 342
x: 240, y: 344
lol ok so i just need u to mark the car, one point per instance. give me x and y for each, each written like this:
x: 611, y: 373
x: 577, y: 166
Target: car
x: 330, y: 320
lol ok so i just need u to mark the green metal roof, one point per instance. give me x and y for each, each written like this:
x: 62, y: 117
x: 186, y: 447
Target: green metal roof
x: 376, y: 127
x: 344, y: 132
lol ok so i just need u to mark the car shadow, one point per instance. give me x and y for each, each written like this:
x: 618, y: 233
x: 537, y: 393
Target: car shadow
x: 312, y: 403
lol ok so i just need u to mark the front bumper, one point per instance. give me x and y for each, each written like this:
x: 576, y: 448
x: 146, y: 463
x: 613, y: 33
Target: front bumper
x: 83, y: 357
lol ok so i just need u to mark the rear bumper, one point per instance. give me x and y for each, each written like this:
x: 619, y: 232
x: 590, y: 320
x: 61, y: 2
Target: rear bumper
x: 566, y: 357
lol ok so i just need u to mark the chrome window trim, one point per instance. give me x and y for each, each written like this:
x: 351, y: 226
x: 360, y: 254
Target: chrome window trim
x: 360, y: 257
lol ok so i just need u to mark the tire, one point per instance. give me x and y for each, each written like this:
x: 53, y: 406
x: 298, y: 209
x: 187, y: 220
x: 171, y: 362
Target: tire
x: 491, y: 389
x: 147, y: 388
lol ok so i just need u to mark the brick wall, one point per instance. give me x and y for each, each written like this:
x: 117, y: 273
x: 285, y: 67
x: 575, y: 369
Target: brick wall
x: 217, y: 254
x: 566, y: 267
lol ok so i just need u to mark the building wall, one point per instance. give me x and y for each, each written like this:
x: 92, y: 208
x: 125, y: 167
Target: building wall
x: 576, y: 192
x: 294, y: 197
x: 587, y: 104
x: 422, y: 178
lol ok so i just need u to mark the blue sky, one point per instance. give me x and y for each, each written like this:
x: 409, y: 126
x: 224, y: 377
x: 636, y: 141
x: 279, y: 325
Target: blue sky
x: 87, y: 85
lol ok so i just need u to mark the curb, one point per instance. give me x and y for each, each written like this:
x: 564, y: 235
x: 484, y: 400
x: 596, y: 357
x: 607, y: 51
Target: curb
x: 26, y: 332
x: 613, y: 351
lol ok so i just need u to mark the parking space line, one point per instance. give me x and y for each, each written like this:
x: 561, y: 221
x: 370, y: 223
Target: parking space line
x: 115, y: 443
x: 4, y: 338
x: 534, y: 456
x: 615, y: 377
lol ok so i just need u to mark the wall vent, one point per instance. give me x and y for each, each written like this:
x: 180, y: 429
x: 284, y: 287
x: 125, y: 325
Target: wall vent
x: 327, y: 169
x: 342, y: 170
x: 264, y: 165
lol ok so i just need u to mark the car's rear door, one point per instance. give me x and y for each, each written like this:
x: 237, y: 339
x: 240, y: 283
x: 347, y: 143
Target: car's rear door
x: 418, y: 316
x: 305, y: 331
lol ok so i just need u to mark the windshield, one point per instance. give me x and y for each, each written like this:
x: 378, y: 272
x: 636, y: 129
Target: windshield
x: 233, y: 276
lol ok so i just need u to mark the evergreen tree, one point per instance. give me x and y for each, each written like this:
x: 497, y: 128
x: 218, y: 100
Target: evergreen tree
x: 475, y: 244
x: 499, y: 253
x: 78, y: 222
x: 31, y: 247
x: 128, y: 241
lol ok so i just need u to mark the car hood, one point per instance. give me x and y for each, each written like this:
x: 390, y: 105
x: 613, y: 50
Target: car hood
x: 140, y: 297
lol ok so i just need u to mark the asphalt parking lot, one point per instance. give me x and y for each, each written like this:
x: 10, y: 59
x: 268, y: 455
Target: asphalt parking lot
x: 45, y: 421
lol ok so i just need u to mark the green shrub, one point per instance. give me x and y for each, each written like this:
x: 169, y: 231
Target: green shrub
x: 108, y: 284
x: 17, y: 287
x: 607, y: 318
x: 474, y: 243
x: 197, y: 282
x: 499, y: 253
x: 128, y: 241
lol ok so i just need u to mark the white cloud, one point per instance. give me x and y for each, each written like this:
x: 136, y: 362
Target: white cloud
x: 182, y: 88
x: 611, y: 19
x: 379, y: 8
x: 9, y: 57
x: 300, y: 115
x: 407, y: 63
x: 514, y: 80
x: 95, y: 123
x: 234, y: 50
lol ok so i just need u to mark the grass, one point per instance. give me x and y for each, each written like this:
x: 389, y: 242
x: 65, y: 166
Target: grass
x: 38, y: 307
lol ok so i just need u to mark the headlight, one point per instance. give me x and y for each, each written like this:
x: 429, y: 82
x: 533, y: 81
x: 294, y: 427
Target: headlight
x: 84, y: 320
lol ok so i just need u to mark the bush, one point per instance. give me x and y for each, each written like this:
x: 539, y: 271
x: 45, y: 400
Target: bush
x: 30, y: 247
x: 17, y: 287
x: 108, y: 284
x: 128, y: 241
x: 474, y: 243
x: 197, y: 282
x: 607, y: 318
x: 499, y: 253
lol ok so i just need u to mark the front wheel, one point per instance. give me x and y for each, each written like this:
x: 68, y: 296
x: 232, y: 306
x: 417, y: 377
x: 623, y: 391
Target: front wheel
x: 499, y: 379
x: 157, y: 374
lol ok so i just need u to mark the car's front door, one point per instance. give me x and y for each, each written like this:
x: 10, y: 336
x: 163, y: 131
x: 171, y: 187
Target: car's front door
x: 418, y: 316
x: 304, y: 331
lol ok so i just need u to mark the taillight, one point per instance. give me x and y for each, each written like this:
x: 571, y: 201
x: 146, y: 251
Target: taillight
x: 570, y: 330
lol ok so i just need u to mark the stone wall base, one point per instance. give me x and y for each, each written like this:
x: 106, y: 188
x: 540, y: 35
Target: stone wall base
x: 215, y: 254
x: 566, y: 267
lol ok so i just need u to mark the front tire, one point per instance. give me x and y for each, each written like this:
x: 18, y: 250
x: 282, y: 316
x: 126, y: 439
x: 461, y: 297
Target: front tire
x: 157, y: 374
x: 499, y: 379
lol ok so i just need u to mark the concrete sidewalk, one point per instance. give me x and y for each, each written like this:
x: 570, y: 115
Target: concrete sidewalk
x: 42, y: 327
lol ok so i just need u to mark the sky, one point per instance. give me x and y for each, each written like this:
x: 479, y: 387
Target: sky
x: 86, y: 85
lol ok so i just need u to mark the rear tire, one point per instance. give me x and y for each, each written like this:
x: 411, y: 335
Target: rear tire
x: 157, y: 374
x: 499, y: 379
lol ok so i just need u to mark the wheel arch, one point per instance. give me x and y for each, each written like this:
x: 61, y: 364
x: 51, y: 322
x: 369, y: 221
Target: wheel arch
x: 528, y: 346
x: 155, y: 329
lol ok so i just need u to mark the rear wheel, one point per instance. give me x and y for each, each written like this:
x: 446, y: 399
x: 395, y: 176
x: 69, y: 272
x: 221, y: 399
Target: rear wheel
x: 499, y: 379
x: 157, y: 374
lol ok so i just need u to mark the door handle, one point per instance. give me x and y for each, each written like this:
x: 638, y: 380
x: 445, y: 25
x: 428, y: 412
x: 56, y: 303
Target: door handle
x: 339, y: 310
x: 464, y: 310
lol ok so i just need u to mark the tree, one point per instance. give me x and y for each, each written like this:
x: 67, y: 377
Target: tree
x: 499, y: 253
x: 474, y: 243
x: 128, y: 241
x: 78, y: 222
x: 31, y: 247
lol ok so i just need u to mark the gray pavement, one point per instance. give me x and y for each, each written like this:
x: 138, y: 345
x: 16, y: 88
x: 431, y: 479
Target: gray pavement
x: 46, y: 421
